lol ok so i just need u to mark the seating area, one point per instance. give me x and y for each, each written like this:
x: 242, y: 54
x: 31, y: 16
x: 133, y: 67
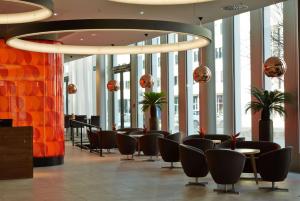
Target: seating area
x: 149, y: 100
x: 198, y: 156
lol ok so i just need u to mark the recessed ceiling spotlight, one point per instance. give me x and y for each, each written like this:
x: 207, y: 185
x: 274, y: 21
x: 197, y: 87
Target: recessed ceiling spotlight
x: 93, y: 34
x: 55, y: 14
x: 81, y: 39
x: 142, y: 12
x: 235, y: 7
x: 161, y: 2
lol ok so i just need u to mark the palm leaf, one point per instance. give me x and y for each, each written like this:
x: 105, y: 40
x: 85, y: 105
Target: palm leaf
x: 278, y: 109
x: 268, y: 100
x: 152, y: 99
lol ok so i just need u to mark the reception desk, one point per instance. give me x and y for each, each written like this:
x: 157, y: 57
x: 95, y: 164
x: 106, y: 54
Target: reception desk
x: 16, y: 153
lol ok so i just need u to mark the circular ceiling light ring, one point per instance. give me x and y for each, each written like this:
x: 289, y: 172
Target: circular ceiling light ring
x: 161, y: 2
x: 44, y: 11
x: 16, y: 33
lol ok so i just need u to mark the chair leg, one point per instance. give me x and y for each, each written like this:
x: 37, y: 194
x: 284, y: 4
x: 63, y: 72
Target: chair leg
x: 171, y: 166
x: 232, y: 191
x: 274, y: 188
x: 127, y: 158
x: 150, y: 159
x: 196, y: 183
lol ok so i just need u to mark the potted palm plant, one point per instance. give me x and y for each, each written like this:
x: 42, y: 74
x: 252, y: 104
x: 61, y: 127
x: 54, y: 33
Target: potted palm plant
x: 267, y: 102
x: 153, y: 101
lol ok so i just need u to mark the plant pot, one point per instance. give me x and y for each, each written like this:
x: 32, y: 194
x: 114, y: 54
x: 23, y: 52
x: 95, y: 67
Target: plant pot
x: 233, y: 144
x: 266, y: 130
x: 153, y: 123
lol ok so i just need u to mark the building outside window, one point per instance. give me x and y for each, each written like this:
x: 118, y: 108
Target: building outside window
x: 141, y: 91
x: 173, y: 88
x: 273, y: 46
x: 242, y: 74
x: 219, y: 79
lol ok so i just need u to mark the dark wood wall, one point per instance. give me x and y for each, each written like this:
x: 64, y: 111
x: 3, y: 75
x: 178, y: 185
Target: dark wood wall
x: 16, y: 153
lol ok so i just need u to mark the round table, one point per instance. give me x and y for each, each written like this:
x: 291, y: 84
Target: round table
x: 137, y: 137
x: 121, y: 132
x: 217, y: 141
x: 251, y: 153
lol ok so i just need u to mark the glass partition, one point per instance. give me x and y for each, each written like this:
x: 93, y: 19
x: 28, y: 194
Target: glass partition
x: 273, y: 37
x: 219, y: 76
x: 242, y: 74
x: 173, y: 87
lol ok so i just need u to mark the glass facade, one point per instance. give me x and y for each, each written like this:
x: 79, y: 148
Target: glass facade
x: 241, y: 34
x: 173, y: 86
x: 273, y: 46
x: 81, y: 72
x: 156, y: 73
x: 242, y: 74
x: 141, y: 65
x: 219, y: 76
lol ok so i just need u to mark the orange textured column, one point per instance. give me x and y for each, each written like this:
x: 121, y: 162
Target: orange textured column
x: 31, y: 95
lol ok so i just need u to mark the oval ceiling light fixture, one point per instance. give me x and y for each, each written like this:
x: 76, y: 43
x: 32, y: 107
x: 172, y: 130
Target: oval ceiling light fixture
x: 161, y: 2
x: 43, y: 11
x: 16, y: 36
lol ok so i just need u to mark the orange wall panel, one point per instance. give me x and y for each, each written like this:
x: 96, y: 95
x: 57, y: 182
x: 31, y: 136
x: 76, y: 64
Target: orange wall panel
x: 31, y: 94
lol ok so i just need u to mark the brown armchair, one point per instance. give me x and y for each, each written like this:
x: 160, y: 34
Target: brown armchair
x: 225, y: 167
x: 164, y: 133
x: 93, y: 140
x: 200, y: 143
x: 194, y: 163
x: 274, y: 166
x: 149, y: 145
x: 126, y: 145
x: 264, y: 147
x: 107, y: 140
x: 169, y: 151
x: 175, y: 137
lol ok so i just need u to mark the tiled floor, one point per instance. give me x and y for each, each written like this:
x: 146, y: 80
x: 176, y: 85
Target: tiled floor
x: 87, y: 177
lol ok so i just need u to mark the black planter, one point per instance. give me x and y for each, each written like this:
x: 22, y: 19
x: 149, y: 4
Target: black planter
x: 153, y: 123
x: 266, y: 130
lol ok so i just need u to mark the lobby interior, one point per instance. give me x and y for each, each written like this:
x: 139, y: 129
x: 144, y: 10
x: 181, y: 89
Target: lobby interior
x: 85, y: 60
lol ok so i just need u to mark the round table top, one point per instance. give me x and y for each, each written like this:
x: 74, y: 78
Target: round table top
x: 248, y: 151
x: 136, y: 136
x: 121, y: 132
x: 217, y: 141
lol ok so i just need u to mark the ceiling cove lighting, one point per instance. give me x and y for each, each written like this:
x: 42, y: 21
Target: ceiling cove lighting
x: 43, y: 11
x: 161, y: 2
x: 16, y: 36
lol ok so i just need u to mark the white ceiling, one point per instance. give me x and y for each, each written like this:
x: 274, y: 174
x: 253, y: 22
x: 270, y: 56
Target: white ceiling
x: 86, y: 9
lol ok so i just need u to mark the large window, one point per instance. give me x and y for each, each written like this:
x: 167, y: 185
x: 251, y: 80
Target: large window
x: 126, y: 96
x: 81, y: 73
x: 195, y: 94
x: 122, y: 59
x: 192, y: 62
x: 122, y: 96
x: 117, y: 103
x: 155, y: 68
x: 242, y: 73
x: 173, y: 87
x: 156, y: 74
x: 142, y: 69
x: 219, y: 76
x: 273, y: 38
